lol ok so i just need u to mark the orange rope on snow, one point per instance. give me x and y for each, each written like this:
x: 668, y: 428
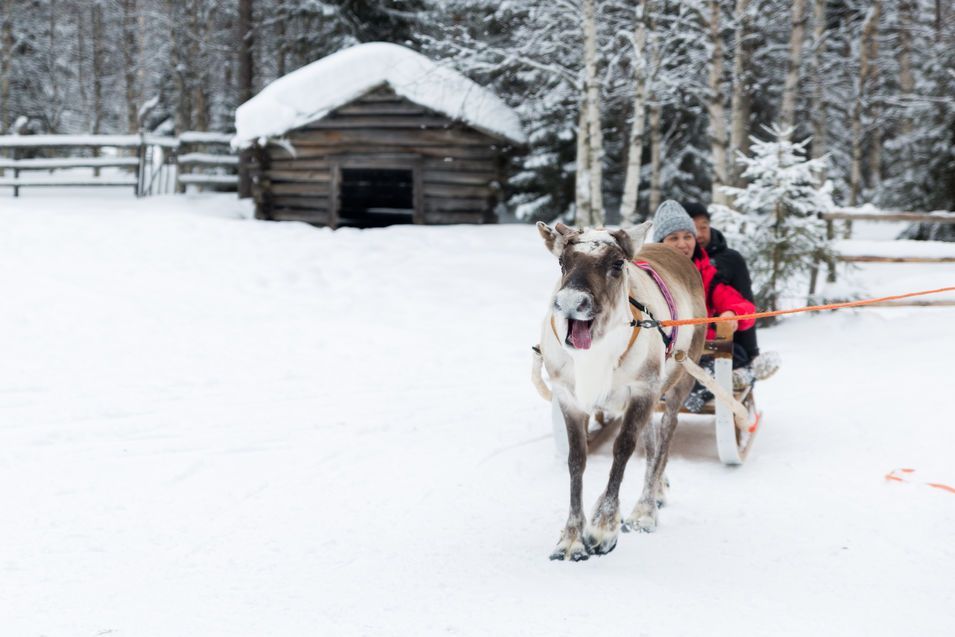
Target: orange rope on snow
x: 936, y: 485
x: 812, y: 308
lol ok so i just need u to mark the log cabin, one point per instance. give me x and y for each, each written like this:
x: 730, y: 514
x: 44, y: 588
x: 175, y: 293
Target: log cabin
x: 376, y: 135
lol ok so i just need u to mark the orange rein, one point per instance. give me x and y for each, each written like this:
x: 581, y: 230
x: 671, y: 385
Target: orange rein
x: 812, y: 308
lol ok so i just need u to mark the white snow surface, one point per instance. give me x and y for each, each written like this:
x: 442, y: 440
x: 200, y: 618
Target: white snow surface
x: 315, y: 90
x: 211, y: 425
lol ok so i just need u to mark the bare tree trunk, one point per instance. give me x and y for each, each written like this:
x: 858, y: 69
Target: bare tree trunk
x: 582, y: 197
x: 246, y: 44
x: 129, y: 62
x: 182, y: 110
x: 143, y: 45
x: 282, y: 48
x: 99, y: 71
x: 739, y: 101
x: 99, y: 66
x: 197, y: 70
x: 714, y: 107
x: 6, y: 57
x: 906, y: 79
x: 594, y: 132
x: 874, y: 153
x: 787, y: 112
x: 819, y: 142
x: 938, y: 21
x: 656, y: 140
x: 631, y: 185
x: 55, y: 104
x: 858, y: 108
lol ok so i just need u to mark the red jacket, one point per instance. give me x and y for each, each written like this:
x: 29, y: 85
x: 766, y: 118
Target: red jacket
x: 720, y: 297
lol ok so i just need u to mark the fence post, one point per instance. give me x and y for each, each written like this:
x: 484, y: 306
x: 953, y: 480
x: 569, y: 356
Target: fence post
x: 141, y: 165
x: 16, y: 172
x: 830, y: 235
x: 180, y: 187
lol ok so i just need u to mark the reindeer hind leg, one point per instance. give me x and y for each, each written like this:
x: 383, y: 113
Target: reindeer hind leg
x: 657, y: 438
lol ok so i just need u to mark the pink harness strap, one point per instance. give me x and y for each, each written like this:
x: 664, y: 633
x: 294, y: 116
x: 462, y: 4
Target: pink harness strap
x: 646, y: 267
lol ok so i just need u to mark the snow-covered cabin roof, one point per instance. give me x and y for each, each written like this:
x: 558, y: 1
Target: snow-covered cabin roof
x: 315, y: 90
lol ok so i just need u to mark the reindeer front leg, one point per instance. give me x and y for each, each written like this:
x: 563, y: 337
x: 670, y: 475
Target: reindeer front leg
x: 571, y: 544
x: 601, y: 535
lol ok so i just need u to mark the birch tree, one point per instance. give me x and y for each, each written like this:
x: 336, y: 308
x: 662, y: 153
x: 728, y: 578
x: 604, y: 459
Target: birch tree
x: 590, y: 151
x: 739, y: 101
x: 631, y: 188
x: 787, y: 112
x: 715, y: 109
x: 130, y: 61
x: 866, y: 70
x: 6, y: 57
x: 818, y: 79
x: 244, y: 35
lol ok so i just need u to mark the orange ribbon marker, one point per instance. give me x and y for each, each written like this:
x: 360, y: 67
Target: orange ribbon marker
x: 891, y: 475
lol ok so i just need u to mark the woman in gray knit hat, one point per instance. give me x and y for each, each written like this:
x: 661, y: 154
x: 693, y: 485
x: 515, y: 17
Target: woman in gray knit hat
x: 673, y: 227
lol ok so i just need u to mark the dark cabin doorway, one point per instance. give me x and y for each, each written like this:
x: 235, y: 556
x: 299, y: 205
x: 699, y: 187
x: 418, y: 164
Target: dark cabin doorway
x: 376, y: 197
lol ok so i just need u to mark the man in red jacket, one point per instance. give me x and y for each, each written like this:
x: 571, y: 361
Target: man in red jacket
x: 732, y: 269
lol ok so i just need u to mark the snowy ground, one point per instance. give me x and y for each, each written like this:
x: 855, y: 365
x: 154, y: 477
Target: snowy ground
x: 217, y: 426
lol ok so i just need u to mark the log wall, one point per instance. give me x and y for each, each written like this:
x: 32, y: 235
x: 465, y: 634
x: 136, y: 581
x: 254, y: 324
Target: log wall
x: 457, y: 170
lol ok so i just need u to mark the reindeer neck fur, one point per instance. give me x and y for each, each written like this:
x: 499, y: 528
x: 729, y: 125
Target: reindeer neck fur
x: 594, y: 368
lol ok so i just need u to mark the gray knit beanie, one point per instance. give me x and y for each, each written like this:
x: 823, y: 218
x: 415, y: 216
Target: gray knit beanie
x: 670, y: 218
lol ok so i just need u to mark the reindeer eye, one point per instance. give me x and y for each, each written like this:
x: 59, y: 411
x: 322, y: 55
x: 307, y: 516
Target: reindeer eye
x: 616, y: 268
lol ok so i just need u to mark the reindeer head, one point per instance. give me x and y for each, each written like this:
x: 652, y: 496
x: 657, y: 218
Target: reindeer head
x: 593, y: 276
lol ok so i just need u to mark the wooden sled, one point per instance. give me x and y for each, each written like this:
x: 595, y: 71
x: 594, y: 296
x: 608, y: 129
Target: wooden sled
x: 736, y: 417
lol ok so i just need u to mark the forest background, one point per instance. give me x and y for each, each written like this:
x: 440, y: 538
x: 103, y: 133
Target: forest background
x: 666, y: 94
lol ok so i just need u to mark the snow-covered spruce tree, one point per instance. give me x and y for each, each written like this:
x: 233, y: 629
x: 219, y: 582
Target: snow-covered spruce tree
x: 783, y: 237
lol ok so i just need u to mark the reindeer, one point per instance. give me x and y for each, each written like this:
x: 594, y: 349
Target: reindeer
x: 607, y: 359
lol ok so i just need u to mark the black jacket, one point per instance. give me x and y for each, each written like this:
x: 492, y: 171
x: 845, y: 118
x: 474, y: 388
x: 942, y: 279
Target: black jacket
x: 730, y: 264
x: 732, y: 269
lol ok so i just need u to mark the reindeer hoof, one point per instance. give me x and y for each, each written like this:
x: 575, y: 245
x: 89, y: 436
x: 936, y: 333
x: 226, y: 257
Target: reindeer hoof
x: 600, y: 548
x: 577, y: 556
x: 574, y: 551
x: 600, y: 540
x: 642, y: 524
x: 642, y: 520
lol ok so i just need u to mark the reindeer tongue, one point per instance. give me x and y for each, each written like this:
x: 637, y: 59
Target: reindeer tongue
x: 580, y: 334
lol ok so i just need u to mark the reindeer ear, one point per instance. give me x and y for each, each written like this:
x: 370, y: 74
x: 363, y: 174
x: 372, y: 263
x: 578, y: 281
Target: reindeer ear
x: 638, y: 235
x: 553, y: 241
x: 623, y: 240
x: 564, y: 230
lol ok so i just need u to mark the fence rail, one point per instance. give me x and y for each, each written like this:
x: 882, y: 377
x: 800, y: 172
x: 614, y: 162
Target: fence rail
x: 155, y: 164
x: 915, y: 217
x: 849, y: 216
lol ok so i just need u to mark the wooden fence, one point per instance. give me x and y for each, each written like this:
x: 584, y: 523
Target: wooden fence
x: 149, y: 164
x: 849, y: 216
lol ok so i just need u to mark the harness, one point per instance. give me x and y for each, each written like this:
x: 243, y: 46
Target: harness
x: 668, y: 339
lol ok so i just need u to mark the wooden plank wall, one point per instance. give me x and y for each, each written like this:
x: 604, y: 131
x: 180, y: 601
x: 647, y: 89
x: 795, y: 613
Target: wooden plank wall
x: 458, y: 169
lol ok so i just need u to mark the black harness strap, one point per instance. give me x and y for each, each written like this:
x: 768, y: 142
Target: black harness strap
x: 649, y: 323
